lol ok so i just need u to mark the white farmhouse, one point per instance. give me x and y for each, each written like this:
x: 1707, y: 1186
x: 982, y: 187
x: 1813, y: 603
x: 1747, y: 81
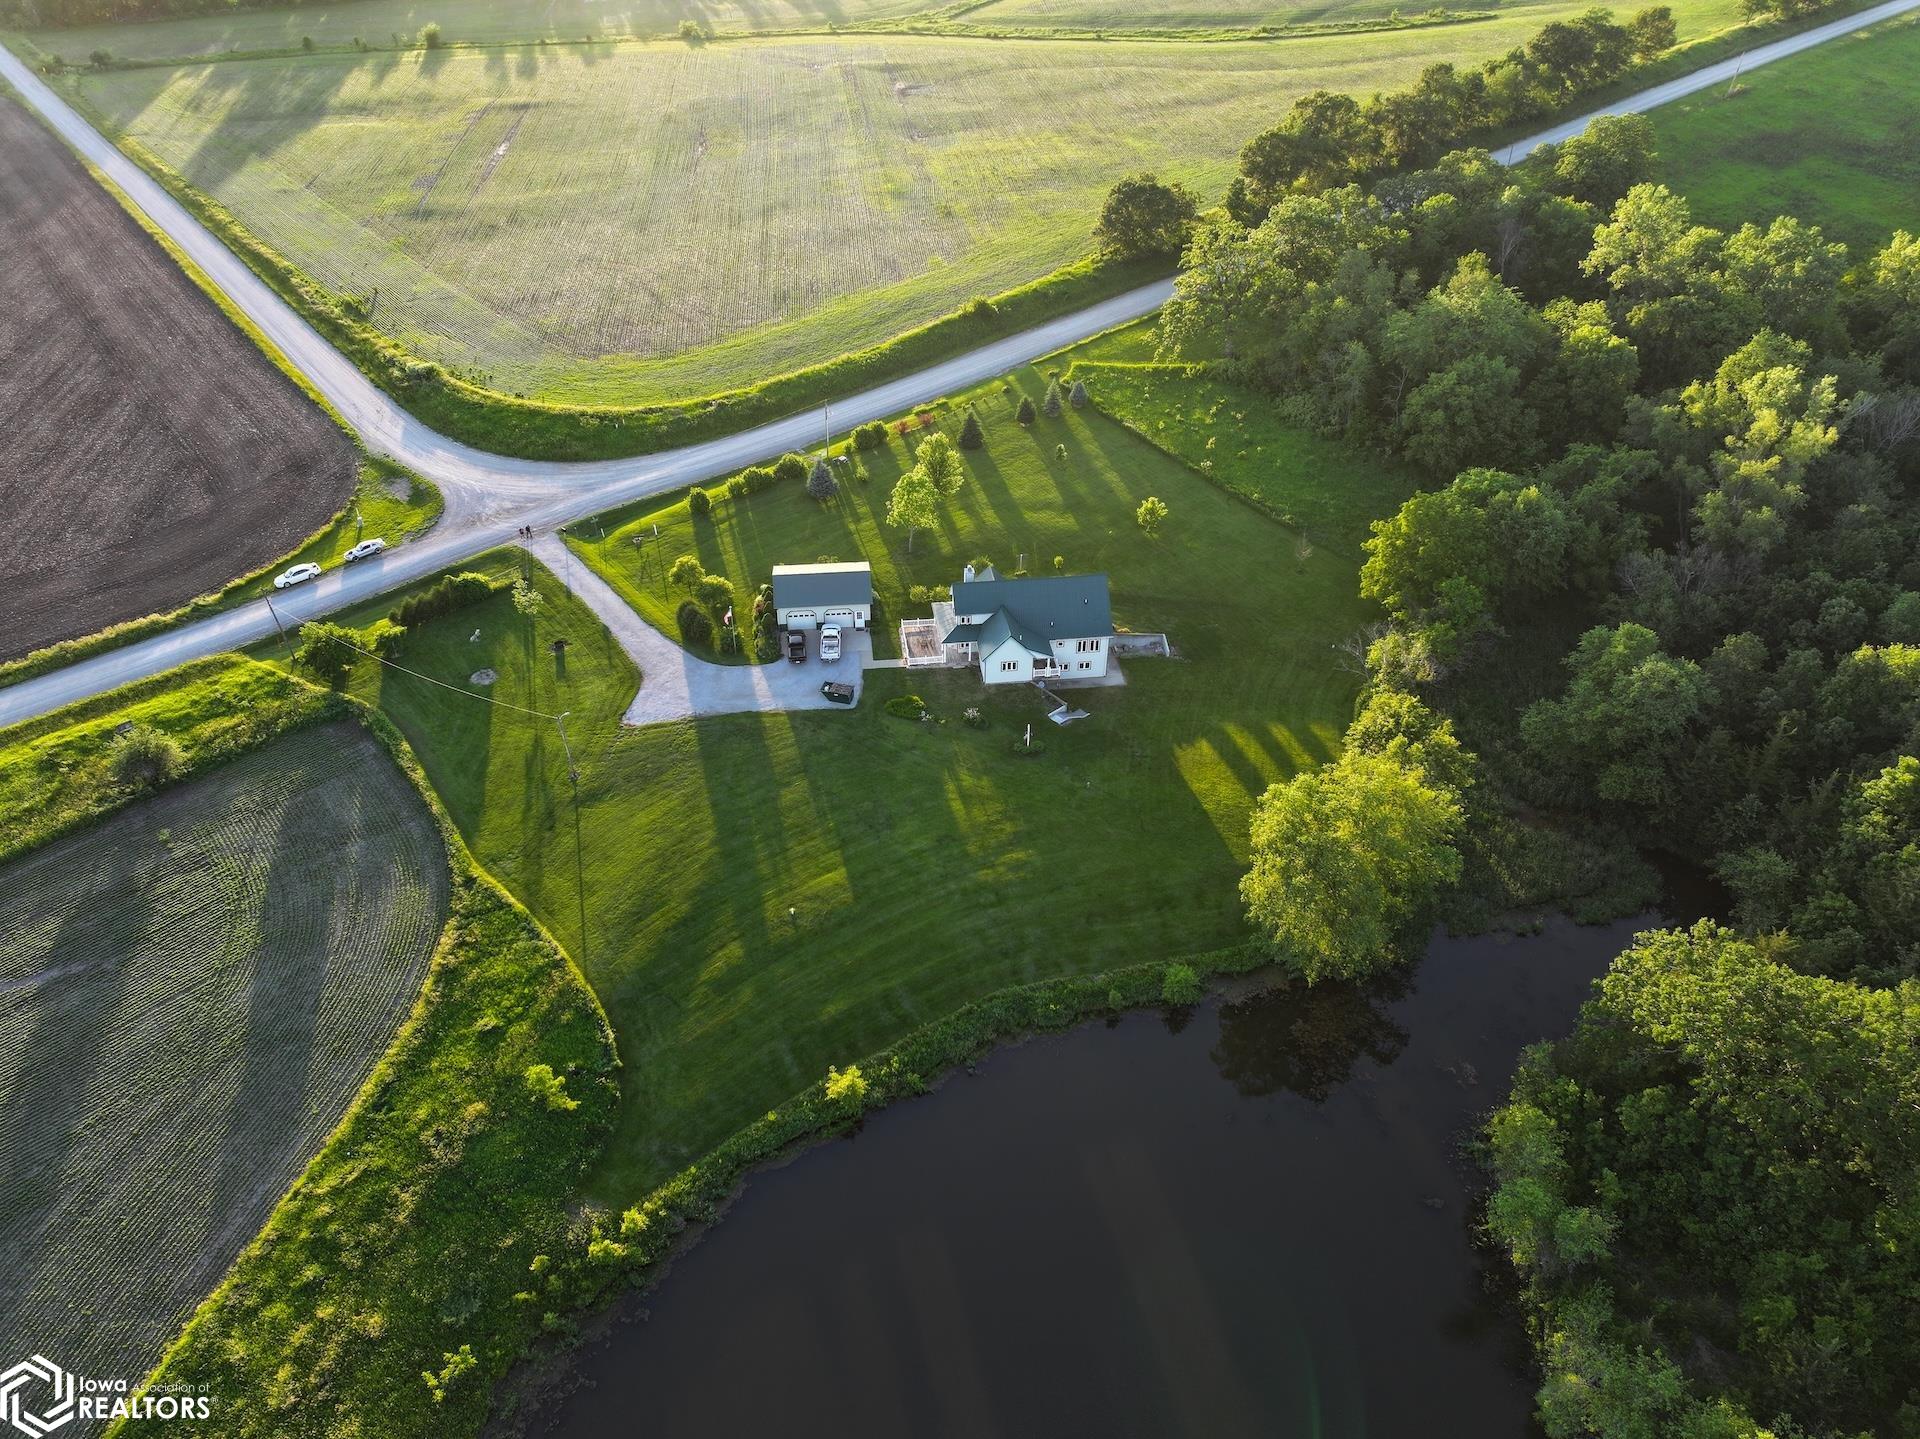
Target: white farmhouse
x: 808, y: 596
x: 1047, y: 627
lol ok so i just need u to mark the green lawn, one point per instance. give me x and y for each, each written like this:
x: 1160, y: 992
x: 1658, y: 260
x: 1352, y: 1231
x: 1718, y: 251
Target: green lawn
x: 924, y: 865
x: 635, y: 222
x: 1832, y: 136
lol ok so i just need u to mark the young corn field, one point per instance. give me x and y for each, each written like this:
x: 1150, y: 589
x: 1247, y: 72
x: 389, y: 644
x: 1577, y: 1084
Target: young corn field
x: 190, y: 995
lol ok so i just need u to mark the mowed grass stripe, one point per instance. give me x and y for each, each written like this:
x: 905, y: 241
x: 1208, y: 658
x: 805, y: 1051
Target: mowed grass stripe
x: 669, y: 220
x: 190, y: 995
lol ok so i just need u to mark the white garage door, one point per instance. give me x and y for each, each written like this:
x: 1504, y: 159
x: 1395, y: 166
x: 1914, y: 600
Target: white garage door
x: 801, y: 619
x: 849, y: 618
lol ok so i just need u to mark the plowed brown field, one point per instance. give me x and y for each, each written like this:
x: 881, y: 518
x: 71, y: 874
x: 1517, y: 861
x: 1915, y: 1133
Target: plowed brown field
x: 148, y: 451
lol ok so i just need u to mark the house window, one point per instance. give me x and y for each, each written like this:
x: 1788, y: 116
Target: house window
x: 1008, y: 666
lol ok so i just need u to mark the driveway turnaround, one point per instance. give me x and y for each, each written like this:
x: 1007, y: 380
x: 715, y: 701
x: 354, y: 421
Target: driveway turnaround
x: 489, y: 497
x: 675, y: 685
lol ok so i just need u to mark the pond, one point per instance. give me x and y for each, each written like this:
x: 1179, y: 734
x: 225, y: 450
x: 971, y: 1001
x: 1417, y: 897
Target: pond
x: 1250, y: 1218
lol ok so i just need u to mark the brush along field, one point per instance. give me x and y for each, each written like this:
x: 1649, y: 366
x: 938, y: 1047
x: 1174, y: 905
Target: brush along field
x: 151, y: 452
x: 1120, y: 16
x: 1831, y: 136
x: 191, y: 993
x: 633, y: 222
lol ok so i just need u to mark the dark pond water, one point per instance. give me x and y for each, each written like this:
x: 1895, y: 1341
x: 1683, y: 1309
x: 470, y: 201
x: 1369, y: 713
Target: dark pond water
x: 1251, y: 1219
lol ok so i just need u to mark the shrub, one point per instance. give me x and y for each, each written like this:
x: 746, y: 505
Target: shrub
x: 699, y: 503
x: 1180, y: 985
x: 686, y: 573
x: 383, y: 637
x: 821, y: 484
x: 694, y: 33
x: 1077, y: 396
x: 695, y: 628
x: 846, y: 1086
x: 974, y: 719
x: 870, y: 436
x: 754, y: 479
x: 430, y: 37
x: 972, y: 436
x: 979, y: 308
x: 1026, y: 414
x: 526, y: 599
x: 910, y: 707
x: 100, y: 59
x: 144, y: 757
x: 766, y: 648
x: 306, y: 43
x: 327, y: 651
x: 1059, y: 562
x: 1151, y: 514
x: 790, y: 469
x: 1023, y: 748
x: 444, y: 596
x: 454, y: 1365
x: 1054, y: 402
x: 549, y: 1088
x: 714, y: 594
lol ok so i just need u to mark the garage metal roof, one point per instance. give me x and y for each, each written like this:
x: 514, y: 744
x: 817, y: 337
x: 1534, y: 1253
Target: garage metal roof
x: 807, y: 587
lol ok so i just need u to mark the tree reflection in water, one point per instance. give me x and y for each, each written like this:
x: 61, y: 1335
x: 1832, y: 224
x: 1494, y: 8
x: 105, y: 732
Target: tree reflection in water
x: 1306, y: 1040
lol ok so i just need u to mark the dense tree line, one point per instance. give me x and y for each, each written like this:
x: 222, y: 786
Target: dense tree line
x: 1697, y: 450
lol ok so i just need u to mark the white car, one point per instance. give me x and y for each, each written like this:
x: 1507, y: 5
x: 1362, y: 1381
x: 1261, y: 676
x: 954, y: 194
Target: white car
x: 298, y: 575
x: 829, y: 642
x: 365, y: 548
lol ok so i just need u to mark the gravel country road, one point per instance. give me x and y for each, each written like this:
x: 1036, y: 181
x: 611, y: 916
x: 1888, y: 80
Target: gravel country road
x: 490, y: 496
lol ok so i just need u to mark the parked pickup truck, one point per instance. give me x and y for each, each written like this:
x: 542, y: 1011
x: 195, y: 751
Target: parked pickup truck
x: 796, y: 645
x: 829, y: 642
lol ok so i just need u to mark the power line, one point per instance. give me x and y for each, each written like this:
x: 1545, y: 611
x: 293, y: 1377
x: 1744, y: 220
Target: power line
x: 484, y: 699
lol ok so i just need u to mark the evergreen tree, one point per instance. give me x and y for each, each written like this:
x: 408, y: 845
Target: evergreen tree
x: 821, y: 484
x: 972, y: 436
x: 1077, y: 396
x: 1026, y: 414
x: 1052, y: 405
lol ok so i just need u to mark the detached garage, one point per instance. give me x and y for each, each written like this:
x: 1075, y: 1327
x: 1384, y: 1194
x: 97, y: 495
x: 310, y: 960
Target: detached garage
x: 808, y: 596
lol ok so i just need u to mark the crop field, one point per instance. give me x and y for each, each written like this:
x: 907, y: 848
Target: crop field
x: 191, y: 992
x: 1831, y: 136
x: 151, y: 453
x: 757, y: 896
x: 632, y: 222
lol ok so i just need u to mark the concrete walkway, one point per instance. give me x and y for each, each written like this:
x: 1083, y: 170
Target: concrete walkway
x: 675, y: 685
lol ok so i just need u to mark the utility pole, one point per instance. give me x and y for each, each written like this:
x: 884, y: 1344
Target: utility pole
x: 280, y: 627
x: 359, y: 525
x: 826, y: 422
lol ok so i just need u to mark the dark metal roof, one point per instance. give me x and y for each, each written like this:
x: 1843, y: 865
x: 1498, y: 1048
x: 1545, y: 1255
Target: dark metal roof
x: 807, y: 587
x: 1042, y: 608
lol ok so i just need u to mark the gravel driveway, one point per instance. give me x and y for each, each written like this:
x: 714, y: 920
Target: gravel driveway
x: 675, y: 685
